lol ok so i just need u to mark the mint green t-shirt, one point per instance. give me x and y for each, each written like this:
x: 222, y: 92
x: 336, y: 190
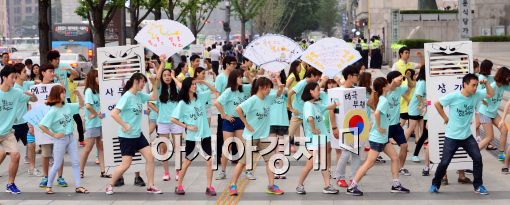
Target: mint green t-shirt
x: 153, y: 115
x: 166, y: 110
x: 93, y: 100
x: 60, y: 119
x: 384, y: 109
x: 315, y: 110
x: 10, y: 101
x: 491, y: 109
x: 221, y: 82
x: 413, y: 104
x: 194, y: 114
x: 202, y: 88
x: 230, y: 100
x: 279, y: 116
x: 460, y: 113
x: 22, y: 110
x: 325, y: 101
x: 297, y: 102
x: 60, y: 72
x: 131, y: 107
x: 257, y: 115
x: 393, y: 98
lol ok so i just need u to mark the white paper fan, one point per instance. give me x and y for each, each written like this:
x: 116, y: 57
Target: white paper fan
x: 330, y: 55
x: 273, y: 52
x: 165, y: 37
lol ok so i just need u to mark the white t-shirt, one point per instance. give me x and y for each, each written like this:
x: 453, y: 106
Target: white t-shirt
x: 215, y: 55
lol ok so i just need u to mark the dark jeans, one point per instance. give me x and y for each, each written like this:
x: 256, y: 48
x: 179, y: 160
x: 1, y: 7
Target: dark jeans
x: 215, y: 67
x: 79, y: 124
x: 423, y: 138
x: 450, y: 147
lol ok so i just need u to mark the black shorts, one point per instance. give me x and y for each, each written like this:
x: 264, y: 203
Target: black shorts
x: 397, y: 133
x: 279, y: 130
x: 404, y: 116
x: 376, y: 146
x: 205, y: 143
x: 412, y: 117
x: 21, y: 131
x: 130, y: 146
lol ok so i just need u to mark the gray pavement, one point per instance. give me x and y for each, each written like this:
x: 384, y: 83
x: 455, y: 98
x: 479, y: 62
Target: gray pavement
x: 376, y: 186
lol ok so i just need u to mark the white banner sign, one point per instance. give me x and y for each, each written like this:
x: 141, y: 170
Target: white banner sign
x: 446, y: 63
x: 41, y: 91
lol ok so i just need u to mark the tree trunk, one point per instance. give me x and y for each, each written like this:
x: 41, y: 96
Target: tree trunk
x: 99, y: 41
x: 193, y: 24
x: 157, y: 12
x: 243, y: 30
x: 44, y: 30
x: 171, y: 8
x: 133, y: 24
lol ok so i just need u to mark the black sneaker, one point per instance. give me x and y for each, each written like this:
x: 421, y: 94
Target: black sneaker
x: 354, y: 191
x: 139, y: 182
x: 119, y: 182
x: 399, y: 189
x: 425, y: 172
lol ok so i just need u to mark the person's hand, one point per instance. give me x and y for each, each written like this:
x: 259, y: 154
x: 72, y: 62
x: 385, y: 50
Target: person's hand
x: 126, y: 128
x: 446, y: 120
x: 501, y: 124
x: 229, y: 118
x: 294, y: 111
x: 162, y: 58
x: 92, y: 115
x: 100, y: 115
x: 419, y: 53
x: 192, y: 127
x: 58, y: 135
x: 250, y: 128
x: 316, y: 131
x: 381, y: 130
x: 76, y: 92
x: 485, y: 102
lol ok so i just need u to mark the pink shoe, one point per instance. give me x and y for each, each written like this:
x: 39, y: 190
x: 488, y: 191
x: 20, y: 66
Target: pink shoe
x: 166, y: 177
x: 154, y: 190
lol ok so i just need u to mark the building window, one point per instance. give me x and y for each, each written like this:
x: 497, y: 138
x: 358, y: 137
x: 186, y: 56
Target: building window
x: 28, y: 9
x: 17, y: 19
x: 28, y: 1
x: 17, y: 10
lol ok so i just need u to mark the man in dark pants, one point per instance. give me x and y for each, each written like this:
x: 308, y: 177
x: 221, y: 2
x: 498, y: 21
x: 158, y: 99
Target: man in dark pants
x: 461, y: 108
x: 215, y: 55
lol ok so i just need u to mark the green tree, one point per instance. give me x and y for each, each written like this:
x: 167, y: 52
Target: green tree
x: 328, y: 16
x: 169, y: 8
x: 304, y: 19
x: 427, y: 4
x: 198, y: 13
x: 137, y: 17
x: 246, y: 10
x: 99, y: 13
x: 274, y: 16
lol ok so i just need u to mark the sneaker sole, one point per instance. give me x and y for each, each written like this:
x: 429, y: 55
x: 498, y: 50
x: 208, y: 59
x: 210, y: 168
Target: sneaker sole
x: 329, y: 192
x: 12, y: 192
x: 353, y: 194
x: 155, y: 192
x: 481, y: 193
x: 396, y: 191
x: 302, y: 193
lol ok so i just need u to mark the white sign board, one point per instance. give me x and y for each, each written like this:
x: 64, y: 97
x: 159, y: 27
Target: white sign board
x: 351, y: 117
x: 446, y: 63
x: 116, y: 65
x: 465, y: 19
x: 41, y: 91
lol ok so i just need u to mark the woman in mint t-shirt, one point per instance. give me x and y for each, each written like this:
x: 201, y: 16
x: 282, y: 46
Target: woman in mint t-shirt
x: 317, y: 135
x: 128, y: 114
x: 167, y: 101
x: 489, y: 111
x: 58, y: 123
x: 93, y: 117
x: 378, y: 139
x: 235, y: 94
x: 190, y: 114
x: 257, y: 126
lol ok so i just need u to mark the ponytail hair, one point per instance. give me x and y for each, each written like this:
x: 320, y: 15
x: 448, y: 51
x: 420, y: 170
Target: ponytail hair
x: 379, y: 84
x: 260, y: 82
x: 129, y: 83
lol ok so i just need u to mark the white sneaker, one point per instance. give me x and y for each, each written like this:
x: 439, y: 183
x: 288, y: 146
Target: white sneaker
x: 221, y: 175
x: 249, y: 175
x: 34, y: 172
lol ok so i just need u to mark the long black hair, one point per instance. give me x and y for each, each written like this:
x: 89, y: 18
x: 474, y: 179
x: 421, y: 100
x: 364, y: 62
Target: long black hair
x: 421, y: 74
x: 179, y: 67
x: 129, y: 84
x: 232, y: 80
x: 32, y: 74
x: 168, y: 91
x: 307, y: 96
x: 293, y: 69
x: 186, y: 86
x: 260, y: 82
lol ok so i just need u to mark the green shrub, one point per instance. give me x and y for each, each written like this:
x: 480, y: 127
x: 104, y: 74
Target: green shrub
x: 415, y: 43
x: 428, y: 11
x: 490, y: 38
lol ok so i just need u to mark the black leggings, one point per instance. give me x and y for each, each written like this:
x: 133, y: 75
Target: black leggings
x: 423, y: 138
x: 79, y: 124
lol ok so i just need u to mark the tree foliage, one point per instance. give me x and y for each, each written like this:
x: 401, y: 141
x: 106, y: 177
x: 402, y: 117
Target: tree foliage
x: 274, y: 16
x: 246, y: 10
